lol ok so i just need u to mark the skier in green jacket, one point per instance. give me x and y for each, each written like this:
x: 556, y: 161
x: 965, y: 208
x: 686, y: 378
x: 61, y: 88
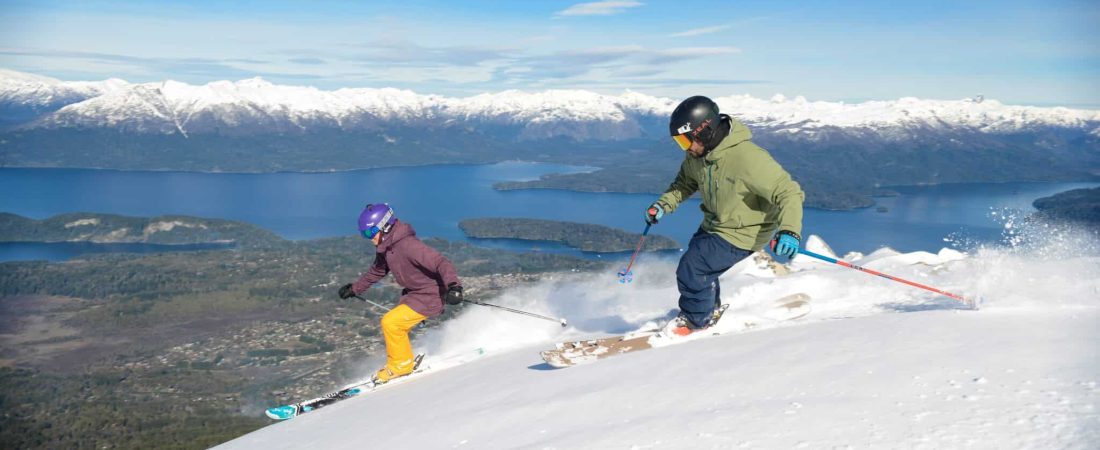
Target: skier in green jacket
x: 749, y: 201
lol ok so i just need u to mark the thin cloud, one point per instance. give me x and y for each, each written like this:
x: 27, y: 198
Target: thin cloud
x: 307, y: 61
x: 413, y: 55
x: 701, y: 31
x: 631, y: 83
x: 205, y: 69
x: 172, y: 67
x: 245, y: 61
x: 628, y: 66
x: 605, y: 8
x: 619, y: 62
x: 665, y: 82
x: 665, y: 57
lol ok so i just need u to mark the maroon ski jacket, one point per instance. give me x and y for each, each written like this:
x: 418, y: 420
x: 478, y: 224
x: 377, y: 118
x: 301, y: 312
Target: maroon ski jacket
x: 421, y: 270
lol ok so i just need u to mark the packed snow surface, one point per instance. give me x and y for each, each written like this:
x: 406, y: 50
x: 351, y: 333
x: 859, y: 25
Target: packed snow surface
x: 877, y: 364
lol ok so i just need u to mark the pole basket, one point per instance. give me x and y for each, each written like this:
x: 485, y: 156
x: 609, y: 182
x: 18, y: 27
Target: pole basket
x: 626, y: 276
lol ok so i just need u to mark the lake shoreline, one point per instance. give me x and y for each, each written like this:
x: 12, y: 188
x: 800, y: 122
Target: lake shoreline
x: 519, y: 185
x: 434, y: 199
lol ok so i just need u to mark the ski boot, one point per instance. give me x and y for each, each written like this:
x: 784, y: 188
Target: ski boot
x: 386, y: 374
x: 681, y: 326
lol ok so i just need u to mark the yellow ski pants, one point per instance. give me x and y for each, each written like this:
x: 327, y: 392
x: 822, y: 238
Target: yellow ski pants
x: 395, y: 329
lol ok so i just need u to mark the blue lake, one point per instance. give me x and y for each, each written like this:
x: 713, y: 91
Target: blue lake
x: 435, y: 198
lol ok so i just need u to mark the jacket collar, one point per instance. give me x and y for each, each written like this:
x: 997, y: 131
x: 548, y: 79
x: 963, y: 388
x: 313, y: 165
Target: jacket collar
x: 400, y: 230
x: 738, y: 133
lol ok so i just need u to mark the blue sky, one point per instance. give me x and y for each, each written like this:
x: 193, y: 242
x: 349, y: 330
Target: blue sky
x: 1020, y: 52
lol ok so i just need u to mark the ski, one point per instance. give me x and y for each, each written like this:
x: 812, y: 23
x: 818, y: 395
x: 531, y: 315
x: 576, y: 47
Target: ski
x: 571, y: 353
x: 294, y: 410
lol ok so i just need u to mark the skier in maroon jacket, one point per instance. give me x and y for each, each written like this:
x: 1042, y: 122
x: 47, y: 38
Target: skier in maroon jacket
x: 427, y: 277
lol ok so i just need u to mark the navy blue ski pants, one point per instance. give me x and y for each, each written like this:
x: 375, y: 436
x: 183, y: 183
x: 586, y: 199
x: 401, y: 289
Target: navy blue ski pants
x: 708, y: 256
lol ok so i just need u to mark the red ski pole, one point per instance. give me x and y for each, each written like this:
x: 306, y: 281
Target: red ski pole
x: 624, y: 275
x: 971, y: 303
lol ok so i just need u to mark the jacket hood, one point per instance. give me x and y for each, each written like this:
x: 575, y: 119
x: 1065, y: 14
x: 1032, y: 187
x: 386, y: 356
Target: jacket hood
x: 738, y: 133
x: 400, y: 230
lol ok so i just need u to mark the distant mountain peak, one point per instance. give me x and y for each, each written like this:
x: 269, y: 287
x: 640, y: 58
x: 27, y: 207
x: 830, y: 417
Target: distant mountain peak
x: 256, y: 105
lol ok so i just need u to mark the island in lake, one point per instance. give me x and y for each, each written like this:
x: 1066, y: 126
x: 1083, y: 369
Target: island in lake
x: 1078, y: 205
x: 583, y: 236
x: 115, y: 229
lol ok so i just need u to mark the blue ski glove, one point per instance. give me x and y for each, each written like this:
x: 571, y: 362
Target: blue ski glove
x: 785, y: 246
x: 653, y: 214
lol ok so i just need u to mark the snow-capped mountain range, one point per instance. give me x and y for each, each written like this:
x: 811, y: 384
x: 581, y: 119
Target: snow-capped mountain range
x: 171, y: 106
x: 256, y: 126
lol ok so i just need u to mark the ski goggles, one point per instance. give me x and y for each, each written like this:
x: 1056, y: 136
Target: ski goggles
x: 683, y: 140
x: 371, y: 232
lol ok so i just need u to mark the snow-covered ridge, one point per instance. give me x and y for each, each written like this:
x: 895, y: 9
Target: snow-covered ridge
x: 171, y: 106
x: 18, y: 88
x: 983, y: 115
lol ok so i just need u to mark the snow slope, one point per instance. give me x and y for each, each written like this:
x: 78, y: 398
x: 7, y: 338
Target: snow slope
x: 29, y: 88
x: 876, y: 365
x: 25, y: 97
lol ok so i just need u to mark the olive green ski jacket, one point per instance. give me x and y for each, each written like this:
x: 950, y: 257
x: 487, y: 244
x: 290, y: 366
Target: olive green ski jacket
x: 746, y: 195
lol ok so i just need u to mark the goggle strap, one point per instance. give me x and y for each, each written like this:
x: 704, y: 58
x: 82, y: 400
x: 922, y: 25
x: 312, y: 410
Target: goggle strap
x: 384, y: 223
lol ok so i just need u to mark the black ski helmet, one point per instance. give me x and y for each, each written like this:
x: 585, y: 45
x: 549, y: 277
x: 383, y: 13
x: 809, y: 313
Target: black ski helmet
x: 695, y: 119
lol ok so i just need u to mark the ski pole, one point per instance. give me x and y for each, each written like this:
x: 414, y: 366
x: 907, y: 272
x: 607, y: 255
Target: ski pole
x: 373, y: 303
x: 561, y: 321
x: 971, y: 303
x: 625, y: 275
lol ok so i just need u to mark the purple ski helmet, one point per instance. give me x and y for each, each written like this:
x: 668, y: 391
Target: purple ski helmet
x: 376, y: 217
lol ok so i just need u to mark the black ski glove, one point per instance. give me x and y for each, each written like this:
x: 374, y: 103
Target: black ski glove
x: 454, y: 294
x: 347, y: 291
